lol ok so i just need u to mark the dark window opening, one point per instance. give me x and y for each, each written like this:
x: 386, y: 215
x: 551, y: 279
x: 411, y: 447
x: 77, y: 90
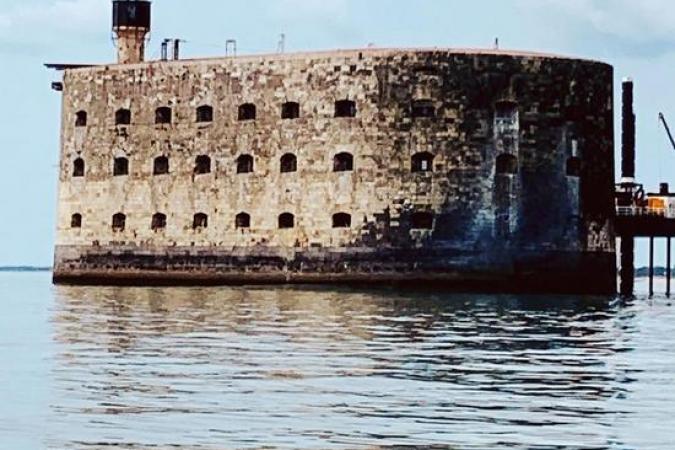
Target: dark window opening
x: 123, y: 117
x: 342, y: 220
x: 290, y: 110
x: 200, y: 221
x: 423, y: 108
x: 345, y: 108
x: 161, y: 166
x: 343, y: 162
x: 506, y: 116
x: 119, y: 222
x: 289, y: 163
x: 422, y: 162
x: 76, y: 221
x: 573, y: 168
x: 507, y: 164
x: 205, y: 114
x: 247, y: 111
x: 422, y: 221
x: 202, y: 165
x: 120, y: 167
x: 158, y: 222
x: 78, y: 167
x: 286, y: 220
x: 242, y: 220
x: 245, y: 164
x: 163, y: 115
x: 505, y: 109
x: 81, y: 119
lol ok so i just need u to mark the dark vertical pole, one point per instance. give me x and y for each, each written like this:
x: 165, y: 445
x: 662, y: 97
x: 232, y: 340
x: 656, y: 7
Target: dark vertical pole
x: 176, y: 49
x: 627, y: 265
x: 668, y: 269
x: 628, y: 133
x: 651, y: 266
x: 165, y: 50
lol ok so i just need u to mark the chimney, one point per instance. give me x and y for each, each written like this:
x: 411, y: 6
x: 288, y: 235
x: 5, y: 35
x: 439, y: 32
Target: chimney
x: 131, y: 25
x: 176, y: 49
x: 628, y: 134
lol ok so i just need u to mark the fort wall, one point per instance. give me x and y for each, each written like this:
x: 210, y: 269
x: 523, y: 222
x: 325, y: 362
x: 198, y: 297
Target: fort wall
x: 491, y: 168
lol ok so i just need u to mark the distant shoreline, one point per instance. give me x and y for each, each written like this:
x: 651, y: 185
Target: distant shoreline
x: 643, y: 272
x: 25, y: 269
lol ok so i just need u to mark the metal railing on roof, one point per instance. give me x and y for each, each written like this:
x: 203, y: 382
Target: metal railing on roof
x: 639, y: 211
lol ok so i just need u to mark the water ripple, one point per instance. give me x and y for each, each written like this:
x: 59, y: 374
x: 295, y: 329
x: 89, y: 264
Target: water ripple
x: 335, y: 369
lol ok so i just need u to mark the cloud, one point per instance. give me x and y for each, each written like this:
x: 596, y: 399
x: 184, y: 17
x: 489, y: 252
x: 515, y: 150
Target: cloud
x: 644, y: 27
x: 39, y: 22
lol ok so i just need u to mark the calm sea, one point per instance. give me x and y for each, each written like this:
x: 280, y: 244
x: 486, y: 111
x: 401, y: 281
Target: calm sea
x: 325, y: 368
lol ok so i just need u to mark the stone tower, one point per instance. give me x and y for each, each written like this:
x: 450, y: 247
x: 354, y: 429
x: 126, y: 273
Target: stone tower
x: 131, y: 25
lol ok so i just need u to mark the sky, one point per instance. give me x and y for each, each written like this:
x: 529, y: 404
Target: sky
x: 636, y: 37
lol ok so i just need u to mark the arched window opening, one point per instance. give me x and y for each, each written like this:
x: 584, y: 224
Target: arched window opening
x: 573, y: 168
x: 202, y: 165
x: 242, y: 220
x: 245, y: 164
x: 160, y: 166
x: 247, y: 111
x: 423, y: 162
x: 345, y: 108
x: 120, y: 167
x: 507, y: 164
x: 422, y: 221
x: 290, y: 110
x: 78, y: 168
x: 204, y: 114
x: 119, y: 221
x: 200, y: 221
x: 123, y: 117
x: 286, y: 220
x: 342, y: 220
x: 81, y: 119
x: 289, y: 163
x: 506, y: 116
x: 163, y: 115
x: 158, y: 222
x: 76, y: 221
x: 423, y: 108
x: 343, y: 162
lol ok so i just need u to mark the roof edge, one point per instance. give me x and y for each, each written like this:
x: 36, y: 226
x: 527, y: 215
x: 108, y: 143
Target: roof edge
x: 373, y: 52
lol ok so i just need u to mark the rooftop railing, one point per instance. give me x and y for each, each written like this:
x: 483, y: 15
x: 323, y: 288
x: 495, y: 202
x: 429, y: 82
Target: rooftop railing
x: 639, y: 211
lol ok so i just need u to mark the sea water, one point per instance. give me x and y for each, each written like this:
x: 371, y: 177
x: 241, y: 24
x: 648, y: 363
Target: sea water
x: 330, y: 368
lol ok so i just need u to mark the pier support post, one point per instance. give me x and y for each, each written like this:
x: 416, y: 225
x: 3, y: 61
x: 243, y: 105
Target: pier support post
x: 668, y: 269
x: 627, y: 265
x: 651, y: 266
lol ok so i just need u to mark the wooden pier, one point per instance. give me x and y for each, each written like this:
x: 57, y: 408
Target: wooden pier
x: 632, y: 223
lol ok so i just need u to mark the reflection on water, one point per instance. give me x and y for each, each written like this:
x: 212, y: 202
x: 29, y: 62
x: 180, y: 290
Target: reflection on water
x: 323, y: 368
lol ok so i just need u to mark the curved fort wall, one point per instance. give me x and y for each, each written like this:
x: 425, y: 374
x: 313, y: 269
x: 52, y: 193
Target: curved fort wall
x: 469, y: 167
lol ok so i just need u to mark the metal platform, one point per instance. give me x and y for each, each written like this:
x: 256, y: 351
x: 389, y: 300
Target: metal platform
x: 635, y: 222
x: 643, y: 222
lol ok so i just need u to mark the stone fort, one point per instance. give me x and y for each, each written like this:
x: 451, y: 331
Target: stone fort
x: 485, y: 169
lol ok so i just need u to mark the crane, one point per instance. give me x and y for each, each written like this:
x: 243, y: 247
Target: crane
x: 662, y: 118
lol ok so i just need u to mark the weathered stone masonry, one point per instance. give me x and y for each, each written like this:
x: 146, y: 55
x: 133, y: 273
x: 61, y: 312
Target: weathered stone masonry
x: 489, y: 169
